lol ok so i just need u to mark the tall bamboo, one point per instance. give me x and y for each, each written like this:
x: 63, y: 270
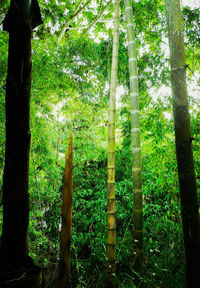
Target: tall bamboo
x: 135, y: 141
x: 183, y: 139
x: 66, y: 229
x: 111, y: 222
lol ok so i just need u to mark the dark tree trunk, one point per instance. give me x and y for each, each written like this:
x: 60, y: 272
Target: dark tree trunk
x: 186, y: 172
x: 19, y: 23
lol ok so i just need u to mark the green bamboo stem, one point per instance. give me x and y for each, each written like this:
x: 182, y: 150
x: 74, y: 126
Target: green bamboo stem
x: 111, y: 222
x: 135, y: 141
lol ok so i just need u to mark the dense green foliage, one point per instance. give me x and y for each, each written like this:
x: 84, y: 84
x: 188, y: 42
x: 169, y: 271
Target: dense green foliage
x: 70, y: 92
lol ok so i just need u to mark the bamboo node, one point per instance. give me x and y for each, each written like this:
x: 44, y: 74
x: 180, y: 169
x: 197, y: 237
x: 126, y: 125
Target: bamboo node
x: 136, y: 150
x: 136, y: 169
x: 137, y: 191
x: 128, y: 25
x: 129, y: 7
x: 133, y: 77
x: 137, y: 210
x: 130, y: 42
x: 135, y: 111
x: 132, y: 59
x: 135, y: 130
x: 134, y: 94
x: 138, y: 231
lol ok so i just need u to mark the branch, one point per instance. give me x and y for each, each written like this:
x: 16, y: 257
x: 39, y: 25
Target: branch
x: 77, y: 11
x: 83, y: 26
x: 97, y: 18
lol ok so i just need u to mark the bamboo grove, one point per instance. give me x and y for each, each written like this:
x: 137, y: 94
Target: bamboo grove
x: 17, y: 268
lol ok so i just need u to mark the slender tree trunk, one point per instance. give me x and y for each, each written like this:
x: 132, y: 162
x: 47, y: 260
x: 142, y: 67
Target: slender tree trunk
x: 186, y: 173
x: 111, y: 222
x: 135, y: 137
x: 57, y: 153
x: 58, y: 146
x: 66, y: 230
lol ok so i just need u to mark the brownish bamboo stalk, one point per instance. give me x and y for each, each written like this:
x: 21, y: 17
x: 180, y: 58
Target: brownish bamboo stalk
x: 183, y: 138
x: 135, y: 142
x: 111, y: 222
x: 66, y: 229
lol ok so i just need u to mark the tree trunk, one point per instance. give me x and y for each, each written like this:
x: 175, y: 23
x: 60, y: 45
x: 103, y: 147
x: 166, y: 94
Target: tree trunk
x: 66, y: 230
x: 186, y: 172
x: 19, y: 21
x: 135, y: 143
x: 111, y: 222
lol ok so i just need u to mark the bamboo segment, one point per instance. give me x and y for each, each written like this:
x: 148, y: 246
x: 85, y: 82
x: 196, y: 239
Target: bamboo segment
x: 135, y: 140
x: 111, y: 222
x: 66, y: 229
x: 183, y: 139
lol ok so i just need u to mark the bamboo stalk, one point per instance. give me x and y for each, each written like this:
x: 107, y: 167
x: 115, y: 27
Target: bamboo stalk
x: 135, y: 142
x: 183, y: 139
x: 66, y: 229
x: 111, y: 222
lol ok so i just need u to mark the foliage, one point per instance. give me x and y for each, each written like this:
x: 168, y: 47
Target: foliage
x: 70, y: 93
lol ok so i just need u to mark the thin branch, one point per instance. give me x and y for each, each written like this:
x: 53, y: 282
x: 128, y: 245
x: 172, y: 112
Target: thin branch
x: 97, y: 18
x: 79, y: 4
x: 76, y: 12
x: 85, y: 26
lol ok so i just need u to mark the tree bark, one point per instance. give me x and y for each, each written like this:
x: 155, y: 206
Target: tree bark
x: 111, y: 222
x: 21, y: 18
x: 135, y: 143
x: 183, y: 139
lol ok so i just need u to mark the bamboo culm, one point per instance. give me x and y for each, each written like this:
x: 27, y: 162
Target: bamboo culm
x: 135, y: 141
x: 111, y: 222
x: 183, y: 139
